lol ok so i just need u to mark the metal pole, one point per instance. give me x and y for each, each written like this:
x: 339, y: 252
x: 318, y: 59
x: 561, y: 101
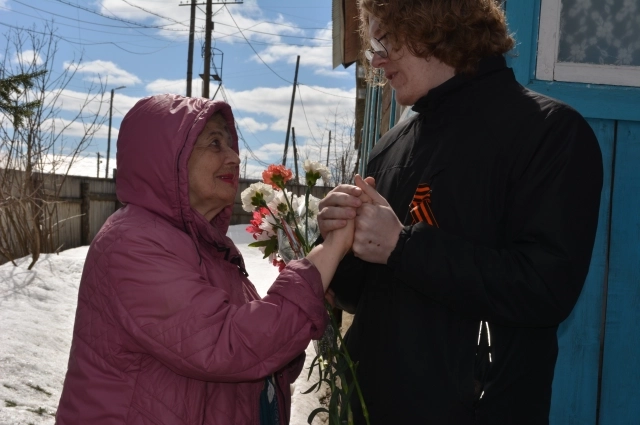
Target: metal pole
x: 106, y: 170
x: 207, y: 51
x: 293, y: 98
x: 392, y: 115
x: 328, y: 148
x: 192, y: 30
x: 98, y: 165
x: 295, y: 152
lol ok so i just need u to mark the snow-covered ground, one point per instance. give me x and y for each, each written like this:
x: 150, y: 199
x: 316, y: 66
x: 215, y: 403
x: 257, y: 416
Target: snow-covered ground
x: 37, y: 310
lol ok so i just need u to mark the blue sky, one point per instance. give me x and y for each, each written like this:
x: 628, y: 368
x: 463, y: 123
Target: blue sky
x: 143, y: 44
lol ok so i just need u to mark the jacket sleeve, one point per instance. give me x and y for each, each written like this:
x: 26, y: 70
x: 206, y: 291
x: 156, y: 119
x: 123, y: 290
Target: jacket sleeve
x: 347, y: 283
x: 171, y: 312
x: 536, y: 274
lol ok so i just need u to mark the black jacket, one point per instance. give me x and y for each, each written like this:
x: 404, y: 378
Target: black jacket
x: 516, y: 180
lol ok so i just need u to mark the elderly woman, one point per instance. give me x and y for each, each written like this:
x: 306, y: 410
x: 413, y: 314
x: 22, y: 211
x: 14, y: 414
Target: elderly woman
x: 168, y: 329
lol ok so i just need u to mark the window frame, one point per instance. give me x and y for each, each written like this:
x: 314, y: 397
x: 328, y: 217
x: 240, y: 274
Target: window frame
x: 549, y: 69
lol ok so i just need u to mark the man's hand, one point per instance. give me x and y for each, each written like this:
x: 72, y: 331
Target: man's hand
x: 377, y: 227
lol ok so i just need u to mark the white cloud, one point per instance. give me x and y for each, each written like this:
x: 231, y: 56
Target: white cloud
x: 94, y: 103
x: 246, y: 20
x: 317, y: 54
x: 105, y: 72
x: 85, y: 164
x: 338, y: 73
x: 161, y: 86
x: 76, y: 128
x: 251, y: 171
x: 251, y: 125
x: 319, y: 106
x: 324, y: 107
x: 28, y: 57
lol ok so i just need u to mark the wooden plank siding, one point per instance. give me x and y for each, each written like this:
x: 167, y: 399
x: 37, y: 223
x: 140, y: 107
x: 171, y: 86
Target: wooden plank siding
x: 575, y: 385
x: 620, y: 402
x: 597, y: 376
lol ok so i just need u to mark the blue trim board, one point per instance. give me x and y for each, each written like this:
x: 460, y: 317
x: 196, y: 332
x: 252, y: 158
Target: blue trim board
x: 575, y: 384
x: 591, y: 100
x: 621, y: 368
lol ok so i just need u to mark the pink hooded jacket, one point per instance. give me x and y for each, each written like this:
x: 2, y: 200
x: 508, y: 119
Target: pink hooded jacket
x: 168, y: 329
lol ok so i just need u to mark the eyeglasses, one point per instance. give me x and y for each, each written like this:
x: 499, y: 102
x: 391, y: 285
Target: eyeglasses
x: 377, y: 48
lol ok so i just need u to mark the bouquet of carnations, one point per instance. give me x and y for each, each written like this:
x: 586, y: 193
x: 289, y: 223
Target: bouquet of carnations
x: 285, y: 227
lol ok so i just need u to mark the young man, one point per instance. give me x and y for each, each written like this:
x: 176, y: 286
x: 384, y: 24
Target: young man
x: 476, y: 241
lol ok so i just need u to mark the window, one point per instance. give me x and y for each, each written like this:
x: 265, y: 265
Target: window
x: 590, y: 41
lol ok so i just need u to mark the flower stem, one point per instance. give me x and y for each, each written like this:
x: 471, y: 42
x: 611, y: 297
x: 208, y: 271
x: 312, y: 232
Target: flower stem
x: 305, y: 245
x: 306, y: 217
x: 343, y: 348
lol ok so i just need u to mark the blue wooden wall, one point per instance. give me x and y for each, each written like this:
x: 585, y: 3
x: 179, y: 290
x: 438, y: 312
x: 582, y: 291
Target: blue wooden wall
x: 597, y: 379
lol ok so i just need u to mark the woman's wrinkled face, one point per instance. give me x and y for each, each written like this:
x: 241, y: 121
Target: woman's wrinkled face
x: 213, y: 169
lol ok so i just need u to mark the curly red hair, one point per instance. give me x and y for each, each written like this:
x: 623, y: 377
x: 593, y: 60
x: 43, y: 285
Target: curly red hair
x: 457, y: 32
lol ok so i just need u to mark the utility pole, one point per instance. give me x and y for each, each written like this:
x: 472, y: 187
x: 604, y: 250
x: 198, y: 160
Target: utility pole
x: 328, y: 148
x: 106, y: 171
x: 293, y: 98
x: 98, y: 166
x: 244, y: 167
x: 206, y: 76
x: 208, y: 28
x: 295, y: 153
x: 192, y: 30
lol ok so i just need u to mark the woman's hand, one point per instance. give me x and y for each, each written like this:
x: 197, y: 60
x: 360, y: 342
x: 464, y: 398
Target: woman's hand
x: 341, y: 238
x: 338, y: 207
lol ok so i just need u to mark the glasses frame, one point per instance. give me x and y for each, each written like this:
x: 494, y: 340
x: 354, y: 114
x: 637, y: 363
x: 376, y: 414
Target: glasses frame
x: 377, y: 48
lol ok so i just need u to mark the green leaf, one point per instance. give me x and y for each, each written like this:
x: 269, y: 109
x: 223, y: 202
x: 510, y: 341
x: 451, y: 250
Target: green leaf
x: 313, y: 364
x: 313, y: 414
x: 259, y: 243
x: 313, y: 387
x: 271, y: 245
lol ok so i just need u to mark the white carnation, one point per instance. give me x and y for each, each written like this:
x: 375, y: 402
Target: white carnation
x: 278, y: 204
x: 250, y: 192
x: 317, y: 168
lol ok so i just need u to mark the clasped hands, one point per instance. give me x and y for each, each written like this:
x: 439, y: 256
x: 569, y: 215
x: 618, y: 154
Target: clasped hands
x: 376, y: 228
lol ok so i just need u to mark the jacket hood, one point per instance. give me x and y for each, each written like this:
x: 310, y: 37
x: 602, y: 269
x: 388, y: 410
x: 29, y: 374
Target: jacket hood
x: 154, y: 144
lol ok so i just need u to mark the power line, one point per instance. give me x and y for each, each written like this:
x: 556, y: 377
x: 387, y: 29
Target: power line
x: 270, y: 33
x: 134, y: 29
x: 81, y: 43
x: 241, y: 136
x: 305, y: 116
x: 267, y: 43
x: 227, y: 25
x: 163, y: 27
x: 80, y: 20
x: 254, y: 50
x: 271, y: 69
x: 324, y: 92
x: 155, y: 14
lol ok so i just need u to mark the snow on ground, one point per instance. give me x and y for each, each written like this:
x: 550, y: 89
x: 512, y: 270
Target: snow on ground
x: 37, y: 310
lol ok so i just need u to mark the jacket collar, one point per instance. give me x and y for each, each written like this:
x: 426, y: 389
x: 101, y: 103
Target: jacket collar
x: 431, y: 101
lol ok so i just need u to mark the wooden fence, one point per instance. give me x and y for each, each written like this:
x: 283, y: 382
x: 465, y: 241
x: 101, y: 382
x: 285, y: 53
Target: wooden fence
x: 83, y: 204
